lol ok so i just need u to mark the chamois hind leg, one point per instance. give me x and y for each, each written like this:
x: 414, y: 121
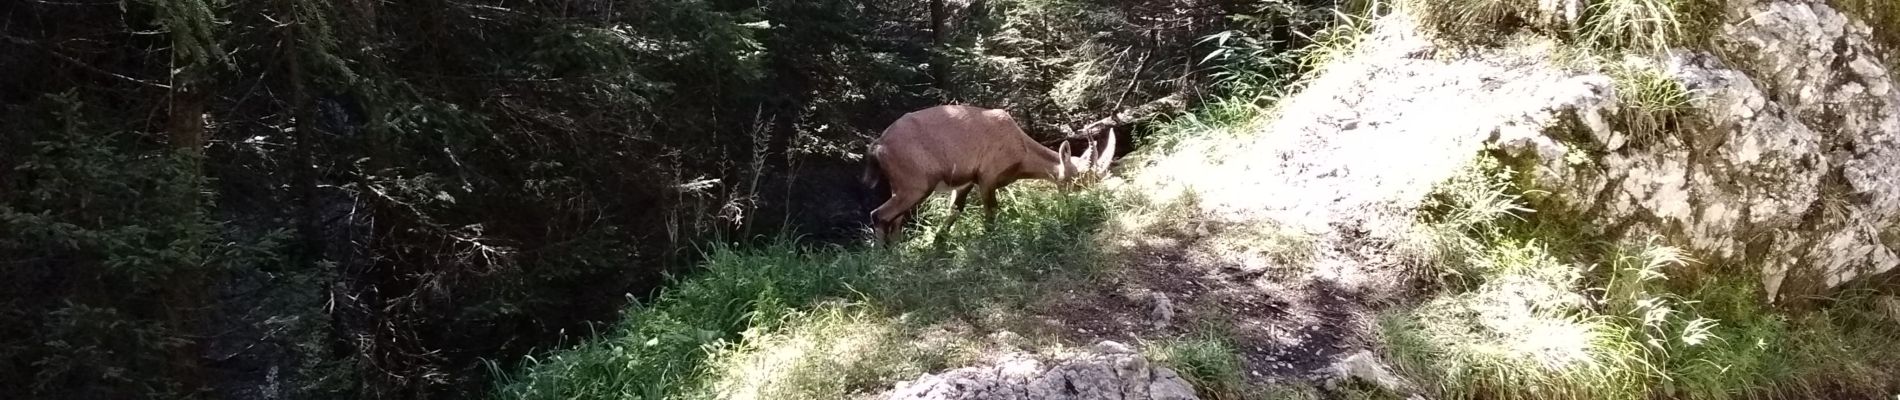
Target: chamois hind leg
x: 958, y: 198
x: 888, y: 219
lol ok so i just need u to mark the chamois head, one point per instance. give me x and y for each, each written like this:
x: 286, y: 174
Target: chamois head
x: 1089, y: 168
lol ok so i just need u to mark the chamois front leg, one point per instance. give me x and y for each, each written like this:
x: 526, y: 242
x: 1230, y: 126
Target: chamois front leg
x: 958, y: 198
x: 989, y: 207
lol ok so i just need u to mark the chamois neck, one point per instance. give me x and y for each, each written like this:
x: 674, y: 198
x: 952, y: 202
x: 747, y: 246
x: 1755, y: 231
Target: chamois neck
x: 1042, y: 162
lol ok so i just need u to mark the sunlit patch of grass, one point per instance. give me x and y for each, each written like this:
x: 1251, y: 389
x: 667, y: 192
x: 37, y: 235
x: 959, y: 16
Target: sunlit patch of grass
x: 1148, y: 215
x: 769, y: 311
x: 1525, y: 332
x: 832, y: 351
x: 1462, y: 216
x: 1528, y: 321
x: 1285, y: 246
x: 1208, y: 360
x: 1216, y: 119
x: 1534, y: 330
x: 1518, y: 322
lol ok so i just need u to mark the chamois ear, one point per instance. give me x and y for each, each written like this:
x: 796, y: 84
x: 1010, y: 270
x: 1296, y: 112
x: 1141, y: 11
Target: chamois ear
x: 1062, y: 153
x: 1106, y: 156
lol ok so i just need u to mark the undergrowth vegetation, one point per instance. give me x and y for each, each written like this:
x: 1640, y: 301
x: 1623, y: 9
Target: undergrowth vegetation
x: 1208, y: 360
x: 1540, y: 312
x: 1615, y: 25
x: 792, y: 322
x: 1655, y: 103
x: 1882, y: 15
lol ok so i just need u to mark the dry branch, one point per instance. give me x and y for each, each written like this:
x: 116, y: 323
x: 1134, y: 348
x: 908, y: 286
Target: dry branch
x: 1170, y: 104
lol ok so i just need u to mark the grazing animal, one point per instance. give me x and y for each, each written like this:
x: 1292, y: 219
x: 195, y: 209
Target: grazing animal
x: 958, y: 148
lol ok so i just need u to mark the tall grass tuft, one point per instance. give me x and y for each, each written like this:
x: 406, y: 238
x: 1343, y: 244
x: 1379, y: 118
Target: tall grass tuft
x: 1642, y: 26
x: 1207, y: 360
x: 1655, y: 104
x: 1474, y: 21
x: 1463, y: 215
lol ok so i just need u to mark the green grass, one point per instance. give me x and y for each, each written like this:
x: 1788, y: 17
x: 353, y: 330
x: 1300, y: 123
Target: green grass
x: 1654, y: 104
x: 1882, y: 15
x: 1207, y: 360
x: 1461, y: 217
x: 1224, y: 118
x: 832, y: 351
x: 1350, y: 29
x: 768, y: 323
x: 1537, y: 315
x: 1643, y: 26
x: 1524, y: 332
x: 1474, y: 21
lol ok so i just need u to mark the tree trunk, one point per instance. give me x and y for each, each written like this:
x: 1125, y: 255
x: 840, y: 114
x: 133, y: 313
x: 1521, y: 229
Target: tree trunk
x: 185, y: 123
x: 183, y: 291
x: 940, y: 49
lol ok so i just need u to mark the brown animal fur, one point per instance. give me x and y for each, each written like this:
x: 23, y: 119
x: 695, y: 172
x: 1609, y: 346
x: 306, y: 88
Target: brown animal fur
x: 956, y: 148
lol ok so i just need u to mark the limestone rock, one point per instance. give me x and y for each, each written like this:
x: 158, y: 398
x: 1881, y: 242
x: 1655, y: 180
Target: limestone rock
x: 1794, y: 166
x: 1791, y: 162
x: 1366, y: 367
x: 1162, y: 311
x: 1113, y: 371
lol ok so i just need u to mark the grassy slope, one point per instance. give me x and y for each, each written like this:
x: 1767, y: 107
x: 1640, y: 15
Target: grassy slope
x: 785, y: 322
x: 1534, y: 311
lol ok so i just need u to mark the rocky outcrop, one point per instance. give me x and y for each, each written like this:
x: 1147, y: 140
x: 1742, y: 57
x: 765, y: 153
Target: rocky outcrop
x: 1789, y: 161
x: 1110, y: 371
x: 1350, y: 158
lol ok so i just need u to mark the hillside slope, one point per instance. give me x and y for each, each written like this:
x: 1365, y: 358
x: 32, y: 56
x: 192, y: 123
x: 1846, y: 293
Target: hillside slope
x: 1318, y: 229
x: 1533, y: 217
